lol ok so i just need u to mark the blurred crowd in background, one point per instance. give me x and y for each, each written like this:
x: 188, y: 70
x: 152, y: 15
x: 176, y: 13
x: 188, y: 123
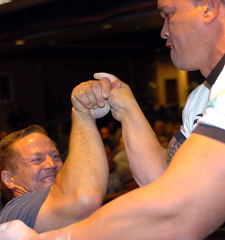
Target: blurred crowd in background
x: 165, y: 122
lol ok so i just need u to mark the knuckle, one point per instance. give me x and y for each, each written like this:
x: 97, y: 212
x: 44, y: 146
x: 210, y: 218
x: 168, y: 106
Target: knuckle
x: 95, y: 85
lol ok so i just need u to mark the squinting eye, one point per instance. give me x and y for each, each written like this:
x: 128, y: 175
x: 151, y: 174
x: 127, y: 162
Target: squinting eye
x: 56, y: 156
x: 36, y: 160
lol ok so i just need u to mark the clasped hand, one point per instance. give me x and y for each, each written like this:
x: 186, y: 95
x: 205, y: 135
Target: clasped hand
x: 97, y: 97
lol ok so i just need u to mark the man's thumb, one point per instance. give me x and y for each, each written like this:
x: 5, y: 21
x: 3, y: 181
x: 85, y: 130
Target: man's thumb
x: 116, y: 83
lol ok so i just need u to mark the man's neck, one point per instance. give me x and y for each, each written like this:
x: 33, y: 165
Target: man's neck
x: 211, y: 63
x: 19, y: 191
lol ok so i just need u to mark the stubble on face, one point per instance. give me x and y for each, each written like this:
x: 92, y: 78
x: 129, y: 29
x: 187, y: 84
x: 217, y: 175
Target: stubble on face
x: 183, y: 33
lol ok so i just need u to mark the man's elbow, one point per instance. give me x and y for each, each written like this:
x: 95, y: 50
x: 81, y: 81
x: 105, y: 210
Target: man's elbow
x: 88, y: 203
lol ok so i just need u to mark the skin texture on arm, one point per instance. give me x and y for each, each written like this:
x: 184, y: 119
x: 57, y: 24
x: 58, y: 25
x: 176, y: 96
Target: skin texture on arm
x: 147, y: 158
x: 81, y: 183
x: 186, y: 202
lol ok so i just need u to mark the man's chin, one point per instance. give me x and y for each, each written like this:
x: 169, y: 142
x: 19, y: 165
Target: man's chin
x: 182, y: 64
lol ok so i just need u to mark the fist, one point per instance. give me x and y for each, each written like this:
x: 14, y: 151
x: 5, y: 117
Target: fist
x: 91, y: 97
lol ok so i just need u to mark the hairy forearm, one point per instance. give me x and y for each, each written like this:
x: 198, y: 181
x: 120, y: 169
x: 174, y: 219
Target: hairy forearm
x: 85, y: 172
x: 147, y: 158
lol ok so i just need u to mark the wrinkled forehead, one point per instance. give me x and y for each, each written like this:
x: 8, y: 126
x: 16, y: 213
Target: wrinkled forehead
x: 33, y: 143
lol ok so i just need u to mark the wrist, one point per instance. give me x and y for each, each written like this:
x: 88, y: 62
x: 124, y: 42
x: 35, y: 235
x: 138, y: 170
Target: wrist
x: 131, y: 114
x: 79, y: 115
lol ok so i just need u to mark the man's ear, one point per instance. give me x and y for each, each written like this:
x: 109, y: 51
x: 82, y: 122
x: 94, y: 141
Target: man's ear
x: 7, y: 178
x: 210, y: 10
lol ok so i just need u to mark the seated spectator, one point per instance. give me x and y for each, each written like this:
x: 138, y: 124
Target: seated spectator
x: 122, y: 165
x: 3, y: 133
x: 159, y: 128
x: 46, y: 194
x: 120, y: 177
x: 107, y: 136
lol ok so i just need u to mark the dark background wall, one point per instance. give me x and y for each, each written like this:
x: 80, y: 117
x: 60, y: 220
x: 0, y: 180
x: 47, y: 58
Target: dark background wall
x: 66, y: 44
x: 41, y: 87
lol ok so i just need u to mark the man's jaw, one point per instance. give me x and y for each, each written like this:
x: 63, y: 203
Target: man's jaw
x: 19, y: 190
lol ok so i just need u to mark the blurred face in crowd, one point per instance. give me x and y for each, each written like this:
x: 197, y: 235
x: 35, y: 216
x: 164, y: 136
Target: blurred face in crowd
x: 3, y: 134
x: 182, y: 30
x: 105, y: 133
x: 37, y: 162
x: 159, y: 127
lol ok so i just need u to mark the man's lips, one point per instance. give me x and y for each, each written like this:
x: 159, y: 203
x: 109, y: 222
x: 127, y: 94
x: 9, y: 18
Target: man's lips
x: 48, y: 178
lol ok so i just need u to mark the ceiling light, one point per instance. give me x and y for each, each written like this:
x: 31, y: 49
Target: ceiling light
x: 106, y: 26
x: 5, y: 1
x: 19, y: 42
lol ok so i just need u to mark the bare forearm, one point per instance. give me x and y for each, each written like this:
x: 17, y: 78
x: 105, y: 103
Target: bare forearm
x: 186, y: 202
x: 147, y: 158
x: 85, y: 171
x: 130, y: 217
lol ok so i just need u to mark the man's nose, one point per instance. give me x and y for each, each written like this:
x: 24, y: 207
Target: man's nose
x: 50, y: 162
x: 165, y: 32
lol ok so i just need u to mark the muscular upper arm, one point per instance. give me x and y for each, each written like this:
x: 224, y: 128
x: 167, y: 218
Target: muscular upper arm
x: 196, y: 177
x: 186, y: 202
x: 55, y: 213
x: 49, y: 216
